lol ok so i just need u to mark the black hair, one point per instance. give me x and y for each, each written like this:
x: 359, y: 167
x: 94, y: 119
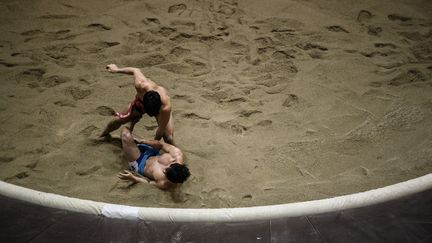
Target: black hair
x: 152, y: 103
x: 177, y: 173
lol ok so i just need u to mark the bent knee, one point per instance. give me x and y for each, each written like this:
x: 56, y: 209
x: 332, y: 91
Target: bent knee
x: 126, y: 135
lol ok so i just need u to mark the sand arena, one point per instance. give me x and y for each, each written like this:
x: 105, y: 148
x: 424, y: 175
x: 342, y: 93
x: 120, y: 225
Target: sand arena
x: 273, y: 102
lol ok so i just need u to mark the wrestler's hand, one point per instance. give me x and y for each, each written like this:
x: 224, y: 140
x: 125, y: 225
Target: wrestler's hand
x: 127, y: 175
x: 112, y: 68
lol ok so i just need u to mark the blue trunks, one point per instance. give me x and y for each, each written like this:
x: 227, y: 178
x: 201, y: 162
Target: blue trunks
x: 139, y: 164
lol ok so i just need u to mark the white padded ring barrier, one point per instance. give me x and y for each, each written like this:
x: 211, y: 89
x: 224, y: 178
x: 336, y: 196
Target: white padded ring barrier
x: 221, y: 214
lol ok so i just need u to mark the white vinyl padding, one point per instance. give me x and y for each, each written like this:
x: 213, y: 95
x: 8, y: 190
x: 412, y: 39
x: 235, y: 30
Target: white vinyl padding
x: 221, y: 214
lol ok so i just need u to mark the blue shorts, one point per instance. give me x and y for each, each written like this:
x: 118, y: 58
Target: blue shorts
x: 139, y: 164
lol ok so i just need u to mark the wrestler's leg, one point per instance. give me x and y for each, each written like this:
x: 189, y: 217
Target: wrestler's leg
x: 130, y: 149
x: 134, y: 121
x: 115, y: 123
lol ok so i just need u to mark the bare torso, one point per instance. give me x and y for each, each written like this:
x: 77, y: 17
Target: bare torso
x: 155, y: 167
x: 164, y: 118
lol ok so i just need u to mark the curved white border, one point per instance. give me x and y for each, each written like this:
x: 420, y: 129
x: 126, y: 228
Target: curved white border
x: 222, y: 214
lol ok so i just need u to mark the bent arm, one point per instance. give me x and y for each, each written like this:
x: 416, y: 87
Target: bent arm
x: 175, y: 152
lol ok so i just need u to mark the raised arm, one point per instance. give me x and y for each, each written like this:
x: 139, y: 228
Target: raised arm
x: 139, y: 78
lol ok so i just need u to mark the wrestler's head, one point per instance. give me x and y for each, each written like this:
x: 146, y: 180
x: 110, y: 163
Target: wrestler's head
x: 177, y: 173
x: 152, y: 103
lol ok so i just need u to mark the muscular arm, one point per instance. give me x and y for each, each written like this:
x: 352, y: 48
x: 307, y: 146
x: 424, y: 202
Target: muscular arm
x: 129, y: 176
x: 139, y: 79
x: 175, y: 152
x: 162, y: 121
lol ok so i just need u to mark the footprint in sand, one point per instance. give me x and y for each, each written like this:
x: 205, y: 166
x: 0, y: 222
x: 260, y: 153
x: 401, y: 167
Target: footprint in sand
x: 6, y: 158
x: 48, y: 36
x: 291, y: 100
x: 183, y: 37
x: 264, y: 123
x: 376, y: 53
x: 215, y: 191
x: 375, y: 84
x: 415, y: 35
x: 226, y: 10
x: 423, y: 51
x: 198, y: 67
x: 107, y: 44
x: 236, y: 47
x: 192, y: 115
x: 20, y: 175
x: 287, y: 68
x: 192, y: 37
x: 65, y: 102
x: 151, y: 20
x: 88, y: 171
x: 364, y: 16
x: 177, y: 68
x: 336, y: 28
x: 31, y: 77
x: 247, y: 197
x: 105, y: 111
x: 32, y: 165
x: 267, y: 49
x: 264, y: 41
x: 184, y: 25
x: 61, y: 35
x: 397, y: 17
x: 7, y: 64
x: 77, y: 93
x: 54, y: 80
x: 233, y: 126
x: 180, y: 51
x: 166, y: 31
x: 177, y: 9
x: 62, y: 54
x: 98, y: 46
x: 385, y: 45
x: 235, y: 100
x: 145, y: 61
x: 266, y: 80
x: 99, y: 27
x: 314, y: 50
x: 283, y: 55
x: 88, y: 131
x: 248, y: 113
x: 186, y: 98
x: 32, y: 32
x: 209, y: 39
x: 374, y: 30
x: 309, y: 46
x: 407, y: 77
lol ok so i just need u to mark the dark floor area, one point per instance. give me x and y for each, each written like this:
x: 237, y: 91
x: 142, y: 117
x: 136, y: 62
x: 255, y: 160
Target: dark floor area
x: 406, y: 220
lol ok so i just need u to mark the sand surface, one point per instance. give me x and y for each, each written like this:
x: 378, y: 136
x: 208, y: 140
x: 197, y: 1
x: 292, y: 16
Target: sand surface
x: 273, y: 101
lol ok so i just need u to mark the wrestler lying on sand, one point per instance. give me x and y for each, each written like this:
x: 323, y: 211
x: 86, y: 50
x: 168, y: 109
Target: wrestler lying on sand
x: 151, y: 99
x: 165, y: 171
